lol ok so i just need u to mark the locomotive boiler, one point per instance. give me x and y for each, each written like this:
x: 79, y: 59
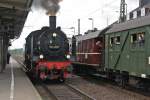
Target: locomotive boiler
x: 47, y: 52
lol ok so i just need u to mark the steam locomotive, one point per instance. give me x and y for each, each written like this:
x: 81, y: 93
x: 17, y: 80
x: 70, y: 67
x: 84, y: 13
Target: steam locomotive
x: 47, y: 53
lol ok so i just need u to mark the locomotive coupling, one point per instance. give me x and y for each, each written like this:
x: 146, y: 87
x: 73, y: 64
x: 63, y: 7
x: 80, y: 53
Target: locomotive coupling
x: 43, y: 69
x: 42, y: 72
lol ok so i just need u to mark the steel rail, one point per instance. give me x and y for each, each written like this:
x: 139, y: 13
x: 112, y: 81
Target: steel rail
x: 83, y: 94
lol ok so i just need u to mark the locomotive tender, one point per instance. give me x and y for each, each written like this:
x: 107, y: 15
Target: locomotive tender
x: 46, y: 52
x: 120, y: 52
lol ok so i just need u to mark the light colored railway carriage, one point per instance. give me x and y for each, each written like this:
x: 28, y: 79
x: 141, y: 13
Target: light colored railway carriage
x: 90, y: 50
x: 128, y: 47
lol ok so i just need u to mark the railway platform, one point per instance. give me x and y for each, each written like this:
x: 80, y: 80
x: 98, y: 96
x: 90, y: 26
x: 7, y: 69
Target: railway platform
x: 15, y: 85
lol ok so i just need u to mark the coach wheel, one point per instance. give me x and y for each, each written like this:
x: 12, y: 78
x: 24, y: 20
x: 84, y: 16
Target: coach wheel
x: 143, y: 84
x: 118, y: 77
x: 61, y: 80
x: 110, y: 74
x: 37, y: 77
x: 124, y: 79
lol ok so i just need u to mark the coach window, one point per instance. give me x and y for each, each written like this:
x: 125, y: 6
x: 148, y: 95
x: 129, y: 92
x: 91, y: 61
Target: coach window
x: 139, y: 13
x: 138, y: 39
x: 141, y: 39
x: 70, y: 45
x: 85, y: 46
x: 112, y: 41
x: 117, y: 40
x: 131, y: 15
x: 147, y: 11
x: 134, y: 38
x: 79, y: 47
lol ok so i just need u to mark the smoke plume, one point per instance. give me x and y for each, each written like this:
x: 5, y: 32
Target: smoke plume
x: 51, y: 6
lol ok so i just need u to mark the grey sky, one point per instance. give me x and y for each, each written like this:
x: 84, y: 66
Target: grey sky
x: 70, y: 11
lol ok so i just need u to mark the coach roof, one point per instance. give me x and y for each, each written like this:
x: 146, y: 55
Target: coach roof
x: 130, y: 24
x: 90, y: 35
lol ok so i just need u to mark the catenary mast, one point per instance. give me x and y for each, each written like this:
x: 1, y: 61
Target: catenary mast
x: 123, y: 11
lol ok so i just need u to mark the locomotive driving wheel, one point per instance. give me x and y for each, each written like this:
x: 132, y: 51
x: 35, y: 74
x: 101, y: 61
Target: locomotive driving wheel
x: 61, y: 79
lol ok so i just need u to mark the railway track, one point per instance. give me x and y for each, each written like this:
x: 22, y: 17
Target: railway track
x: 101, y: 89
x: 70, y: 92
x: 62, y: 92
x: 129, y: 87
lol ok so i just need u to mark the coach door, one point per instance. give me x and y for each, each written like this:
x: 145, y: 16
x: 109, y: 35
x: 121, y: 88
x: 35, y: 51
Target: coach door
x: 101, y: 45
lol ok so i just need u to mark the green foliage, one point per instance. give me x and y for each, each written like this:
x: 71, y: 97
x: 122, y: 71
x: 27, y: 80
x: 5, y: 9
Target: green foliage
x: 16, y: 51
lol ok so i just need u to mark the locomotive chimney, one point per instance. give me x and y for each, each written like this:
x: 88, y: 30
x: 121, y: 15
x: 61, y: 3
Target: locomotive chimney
x: 52, y: 20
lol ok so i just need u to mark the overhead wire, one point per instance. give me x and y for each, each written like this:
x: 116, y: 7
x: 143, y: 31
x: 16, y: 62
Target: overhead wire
x: 98, y: 9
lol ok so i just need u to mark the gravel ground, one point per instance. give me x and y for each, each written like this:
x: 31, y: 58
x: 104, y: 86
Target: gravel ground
x: 104, y: 91
x: 43, y: 93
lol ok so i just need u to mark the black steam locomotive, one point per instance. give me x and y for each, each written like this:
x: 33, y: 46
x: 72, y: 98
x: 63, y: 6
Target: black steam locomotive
x: 47, y: 52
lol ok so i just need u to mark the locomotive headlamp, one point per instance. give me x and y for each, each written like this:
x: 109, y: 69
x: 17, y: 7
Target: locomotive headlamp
x: 41, y: 56
x: 54, y: 34
x: 68, y: 56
